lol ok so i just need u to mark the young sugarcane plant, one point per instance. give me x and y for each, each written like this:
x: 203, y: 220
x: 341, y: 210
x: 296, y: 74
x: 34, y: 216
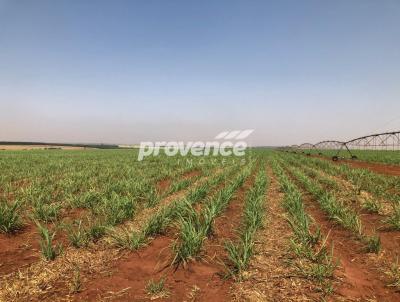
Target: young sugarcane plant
x: 49, y: 251
x: 10, y: 219
x: 239, y: 253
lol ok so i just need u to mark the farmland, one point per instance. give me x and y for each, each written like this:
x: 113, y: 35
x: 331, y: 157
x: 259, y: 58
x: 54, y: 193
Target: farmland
x: 98, y: 225
x: 373, y: 156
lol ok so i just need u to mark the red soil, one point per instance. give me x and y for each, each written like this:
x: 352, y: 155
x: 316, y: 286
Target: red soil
x: 134, y: 272
x: 163, y: 185
x: 374, y: 167
x: 390, y: 240
x: 361, y: 280
x: 23, y: 248
x: 373, y: 224
x: 200, y: 280
x: 191, y: 174
x: 18, y: 250
x: 70, y: 215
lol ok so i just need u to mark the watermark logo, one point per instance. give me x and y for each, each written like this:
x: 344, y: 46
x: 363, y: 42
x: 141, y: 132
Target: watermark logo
x: 225, y: 143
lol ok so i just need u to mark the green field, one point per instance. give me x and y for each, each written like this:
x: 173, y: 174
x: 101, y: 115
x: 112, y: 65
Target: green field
x: 378, y: 156
x: 99, y: 221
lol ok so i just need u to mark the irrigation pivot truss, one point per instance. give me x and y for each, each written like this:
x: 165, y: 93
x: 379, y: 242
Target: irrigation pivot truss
x: 380, y: 141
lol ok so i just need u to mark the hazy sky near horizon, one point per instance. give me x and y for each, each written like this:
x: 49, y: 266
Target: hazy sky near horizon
x: 131, y: 71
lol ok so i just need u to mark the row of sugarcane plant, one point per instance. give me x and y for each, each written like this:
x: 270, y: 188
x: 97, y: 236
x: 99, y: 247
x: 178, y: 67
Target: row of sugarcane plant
x: 107, y: 190
x: 123, y: 209
x: 336, y: 209
x: 45, y: 194
x: 379, y: 185
x: 330, y: 183
x: 376, y: 156
x: 384, y: 187
x: 372, y: 243
x: 314, y: 260
x: 111, y: 200
x: 196, y: 226
x: 115, y: 207
x: 165, y: 217
x: 241, y: 250
x: 178, y: 183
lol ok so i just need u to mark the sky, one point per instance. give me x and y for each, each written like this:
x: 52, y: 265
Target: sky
x: 131, y: 71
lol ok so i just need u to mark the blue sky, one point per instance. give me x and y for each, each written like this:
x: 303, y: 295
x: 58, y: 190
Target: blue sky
x: 127, y: 71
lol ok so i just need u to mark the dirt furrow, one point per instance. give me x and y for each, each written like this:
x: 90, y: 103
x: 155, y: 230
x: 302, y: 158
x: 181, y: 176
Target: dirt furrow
x: 19, y: 250
x: 360, y: 278
x: 200, y: 280
x: 30, y: 262
x: 374, y: 167
x: 144, y: 214
x: 372, y: 223
x: 22, y: 249
x: 269, y: 276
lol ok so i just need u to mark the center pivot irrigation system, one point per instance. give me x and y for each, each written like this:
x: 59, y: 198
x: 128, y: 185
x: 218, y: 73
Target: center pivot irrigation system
x: 380, y: 141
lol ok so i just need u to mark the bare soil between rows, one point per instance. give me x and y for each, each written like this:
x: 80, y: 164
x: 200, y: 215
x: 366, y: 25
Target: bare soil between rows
x: 198, y: 280
x: 164, y: 184
x: 18, y: 250
x: 360, y: 278
x: 374, y: 224
x: 22, y: 248
x: 270, y: 276
x: 374, y: 167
